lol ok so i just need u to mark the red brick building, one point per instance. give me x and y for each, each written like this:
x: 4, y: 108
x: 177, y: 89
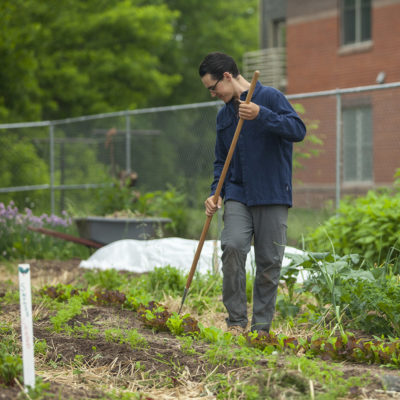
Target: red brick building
x: 337, y: 44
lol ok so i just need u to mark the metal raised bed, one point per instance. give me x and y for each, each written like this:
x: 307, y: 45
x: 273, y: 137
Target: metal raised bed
x: 107, y: 229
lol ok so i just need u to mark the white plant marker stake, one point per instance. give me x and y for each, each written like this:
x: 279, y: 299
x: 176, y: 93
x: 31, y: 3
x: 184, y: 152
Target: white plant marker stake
x: 25, y: 301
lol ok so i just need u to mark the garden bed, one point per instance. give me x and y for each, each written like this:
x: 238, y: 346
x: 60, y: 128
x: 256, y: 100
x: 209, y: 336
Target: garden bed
x: 87, y: 364
x: 106, y: 230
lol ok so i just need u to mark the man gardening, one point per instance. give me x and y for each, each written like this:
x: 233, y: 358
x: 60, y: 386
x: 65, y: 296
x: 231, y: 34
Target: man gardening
x: 257, y: 191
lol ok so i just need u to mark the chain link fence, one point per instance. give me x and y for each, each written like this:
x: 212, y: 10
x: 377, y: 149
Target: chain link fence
x: 359, y: 130
x: 56, y: 162
x: 50, y: 164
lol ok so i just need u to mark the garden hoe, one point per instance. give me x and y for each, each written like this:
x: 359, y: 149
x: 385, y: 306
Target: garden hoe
x: 218, y: 191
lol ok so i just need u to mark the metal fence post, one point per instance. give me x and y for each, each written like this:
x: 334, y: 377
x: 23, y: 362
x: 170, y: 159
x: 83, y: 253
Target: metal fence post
x: 338, y: 145
x: 128, y: 144
x: 52, y: 201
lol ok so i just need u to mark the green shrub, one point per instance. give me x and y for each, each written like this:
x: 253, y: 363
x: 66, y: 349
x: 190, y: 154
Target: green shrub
x: 367, y: 225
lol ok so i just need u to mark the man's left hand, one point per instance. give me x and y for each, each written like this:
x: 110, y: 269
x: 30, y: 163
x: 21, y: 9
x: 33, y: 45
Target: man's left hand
x: 248, y: 111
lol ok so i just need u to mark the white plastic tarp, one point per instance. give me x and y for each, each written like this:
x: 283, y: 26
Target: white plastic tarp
x: 144, y: 255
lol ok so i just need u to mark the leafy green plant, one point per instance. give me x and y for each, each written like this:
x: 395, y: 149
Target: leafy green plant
x: 226, y: 354
x: 131, y: 337
x: 374, y: 306
x: 187, y: 345
x: 10, y: 368
x: 10, y: 361
x: 113, y: 197
x: 327, y: 375
x: 109, y: 279
x: 60, y: 292
x: 9, y: 341
x: 287, y: 303
x: 11, y: 297
x: 364, y: 225
x: 169, y: 203
x: 168, y: 279
x: 154, y: 315
x: 66, y: 312
x: 40, y: 346
x: 220, y: 384
x: 118, y: 395
x: 364, y: 298
x: 211, y: 334
x: 135, y: 339
x: 138, y: 297
x: 175, y: 323
x: 40, y: 391
x: 86, y: 331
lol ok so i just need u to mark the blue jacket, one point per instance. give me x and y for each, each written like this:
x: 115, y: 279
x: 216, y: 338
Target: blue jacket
x: 260, y: 172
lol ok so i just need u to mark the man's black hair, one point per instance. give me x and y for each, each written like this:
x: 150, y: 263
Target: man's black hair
x: 216, y: 64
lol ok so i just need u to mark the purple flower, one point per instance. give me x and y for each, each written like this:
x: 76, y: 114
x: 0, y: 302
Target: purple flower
x: 11, y: 214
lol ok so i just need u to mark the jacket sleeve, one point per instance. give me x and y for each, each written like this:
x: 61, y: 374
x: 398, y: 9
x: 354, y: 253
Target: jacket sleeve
x: 220, y: 156
x: 277, y: 116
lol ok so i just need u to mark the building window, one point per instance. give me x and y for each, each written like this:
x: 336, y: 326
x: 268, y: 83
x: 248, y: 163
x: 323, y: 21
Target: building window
x: 356, y: 21
x: 357, y: 145
x: 278, y: 33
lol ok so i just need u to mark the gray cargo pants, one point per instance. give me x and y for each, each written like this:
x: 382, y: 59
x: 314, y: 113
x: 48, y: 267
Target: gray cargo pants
x: 267, y: 224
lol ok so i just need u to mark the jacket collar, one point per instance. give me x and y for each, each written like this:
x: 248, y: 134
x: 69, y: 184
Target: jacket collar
x: 231, y: 105
x: 256, y: 89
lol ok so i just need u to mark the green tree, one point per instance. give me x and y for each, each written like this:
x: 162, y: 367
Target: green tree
x: 103, y: 56
x: 82, y: 57
x: 20, y: 165
x: 203, y: 27
x: 68, y: 58
x: 19, y: 87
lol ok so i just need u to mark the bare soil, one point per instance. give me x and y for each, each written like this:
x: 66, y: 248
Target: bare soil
x: 86, y: 368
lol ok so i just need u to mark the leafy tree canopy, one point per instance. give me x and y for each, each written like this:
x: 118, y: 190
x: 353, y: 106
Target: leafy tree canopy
x: 67, y: 58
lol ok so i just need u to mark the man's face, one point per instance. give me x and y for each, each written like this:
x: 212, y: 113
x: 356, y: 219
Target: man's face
x: 220, y: 88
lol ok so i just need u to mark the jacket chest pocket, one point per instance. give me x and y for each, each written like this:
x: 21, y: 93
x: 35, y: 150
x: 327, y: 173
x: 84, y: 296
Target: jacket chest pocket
x: 226, y: 130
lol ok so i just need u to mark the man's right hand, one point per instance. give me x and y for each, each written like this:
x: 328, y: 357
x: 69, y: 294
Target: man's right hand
x: 211, y: 207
